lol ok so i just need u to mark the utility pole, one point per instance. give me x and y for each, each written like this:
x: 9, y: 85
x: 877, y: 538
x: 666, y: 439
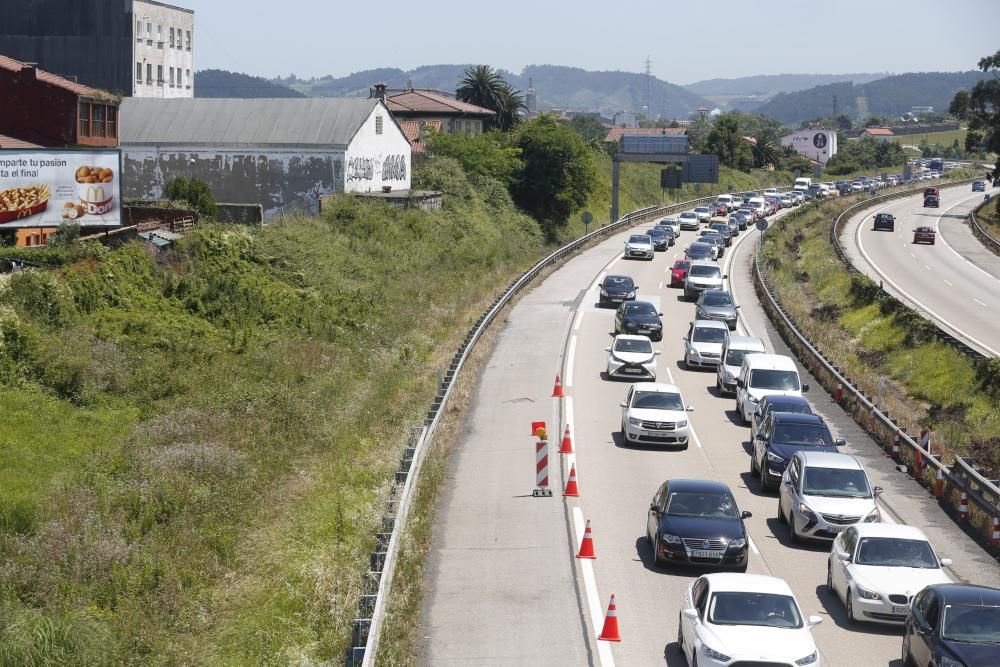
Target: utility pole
x: 649, y: 69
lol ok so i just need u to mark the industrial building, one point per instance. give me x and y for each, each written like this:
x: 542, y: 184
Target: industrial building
x: 271, y: 152
x: 137, y: 48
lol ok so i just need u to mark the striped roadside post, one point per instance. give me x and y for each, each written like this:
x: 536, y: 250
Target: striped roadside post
x: 542, y: 489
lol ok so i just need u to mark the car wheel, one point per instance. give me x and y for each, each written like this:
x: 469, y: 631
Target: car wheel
x: 754, y: 470
x: 781, y: 512
x: 906, y: 658
x: 680, y: 633
x: 829, y: 580
x: 790, y: 520
x: 743, y: 568
x: 718, y: 384
x: 657, y: 561
x: 739, y: 411
x: 850, y: 608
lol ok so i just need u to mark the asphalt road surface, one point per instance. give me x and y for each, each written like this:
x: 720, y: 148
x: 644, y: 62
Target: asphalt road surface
x: 955, y: 282
x: 503, y: 586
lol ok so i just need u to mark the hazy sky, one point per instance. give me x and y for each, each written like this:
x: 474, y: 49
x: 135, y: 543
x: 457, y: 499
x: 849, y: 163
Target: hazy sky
x: 687, y: 41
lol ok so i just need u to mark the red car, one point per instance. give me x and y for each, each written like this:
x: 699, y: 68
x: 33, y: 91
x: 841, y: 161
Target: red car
x: 721, y: 210
x: 923, y: 235
x: 678, y: 272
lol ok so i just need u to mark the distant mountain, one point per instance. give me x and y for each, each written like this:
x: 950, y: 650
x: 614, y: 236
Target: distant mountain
x: 566, y: 88
x: 768, y: 85
x: 220, y: 83
x: 890, y: 96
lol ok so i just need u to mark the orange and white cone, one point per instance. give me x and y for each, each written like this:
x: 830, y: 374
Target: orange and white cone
x: 610, y: 631
x: 571, y: 488
x: 963, y: 506
x: 587, y: 545
x: 996, y: 530
x: 557, y: 391
x: 567, y: 443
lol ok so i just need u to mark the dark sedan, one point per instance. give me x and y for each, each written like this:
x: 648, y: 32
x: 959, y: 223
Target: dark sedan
x: 662, y: 239
x: 953, y: 624
x: 931, y: 201
x: 697, y: 522
x: 639, y: 317
x: 724, y: 231
x: 617, y: 289
x: 781, y: 435
x: 699, y: 250
x: 778, y: 403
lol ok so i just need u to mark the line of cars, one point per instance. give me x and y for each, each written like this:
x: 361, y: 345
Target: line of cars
x: 878, y: 570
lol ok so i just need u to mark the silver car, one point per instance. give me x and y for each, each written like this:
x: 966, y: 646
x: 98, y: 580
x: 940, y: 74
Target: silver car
x: 717, y: 304
x: 704, y: 213
x: 689, y: 221
x: 733, y: 351
x: 703, y: 344
x: 702, y: 275
x: 673, y: 223
x: 639, y: 246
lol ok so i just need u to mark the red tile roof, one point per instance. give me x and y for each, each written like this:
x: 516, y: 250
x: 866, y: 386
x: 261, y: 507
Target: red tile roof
x: 425, y: 101
x: 414, y: 131
x: 10, y: 142
x: 52, y: 79
x: 879, y: 131
x: 617, y: 133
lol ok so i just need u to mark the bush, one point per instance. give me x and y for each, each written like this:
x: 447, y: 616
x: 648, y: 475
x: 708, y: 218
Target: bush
x: 195, y: 193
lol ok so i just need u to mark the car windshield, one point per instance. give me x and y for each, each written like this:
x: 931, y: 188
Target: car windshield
x: 638, y: 238
x: 709, y: 335
x: 688, y: 214
x: 640, y: 308
x: 765, y: 609
x: 735, y: 357
x: 802, y: 434
x: 717, y: 299
x: 896, y: 552
x: 656, y: 231
x: 764, y: 378
x: 638, y: 345
x: 705, y: 271
x: 835, y: 483
x: 706, y: 504
x: 722, y: 229
x: 966, y: 623
x: 657, y: 400
x: 701, y: 249
x: 618, y: 281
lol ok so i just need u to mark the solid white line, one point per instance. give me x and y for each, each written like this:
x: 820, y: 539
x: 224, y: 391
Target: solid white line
x: 947, y: 283
x: 661, y: 285
x: 599, y: 279
x: 614, y: 261
x: 937, y: 229
x: 979, y: 302
x: 590, y: 588
x: 927, y: 267
x: 569, y: 418
x: 579, y: 318
x: 753, y: 547
x: 569, y: 362
x: 670, y: 376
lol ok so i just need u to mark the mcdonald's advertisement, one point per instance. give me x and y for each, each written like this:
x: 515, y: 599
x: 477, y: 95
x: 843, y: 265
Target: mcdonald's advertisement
x: 43, y: 188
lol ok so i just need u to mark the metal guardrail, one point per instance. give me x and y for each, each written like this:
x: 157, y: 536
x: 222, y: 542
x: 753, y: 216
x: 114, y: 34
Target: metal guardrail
x: 983, y: 235
x: 367, y: 626
x: 984, y: 493
x: 835, y: 229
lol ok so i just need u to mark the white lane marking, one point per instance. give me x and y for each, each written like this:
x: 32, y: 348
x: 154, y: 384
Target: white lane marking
x: 569, y: 417
x: 947, y: 283
x: 614, y: 261
x: 590, y: 588
x: 979, y: 302
x: 670, y: 376
x: 579, y: 318
x: 598, y: 280
x: 927, y: 267
x: 913, y: 256
x: 753, y: 546
x: 570, y: 356
x: 885, y: 514
x: 661, y: 285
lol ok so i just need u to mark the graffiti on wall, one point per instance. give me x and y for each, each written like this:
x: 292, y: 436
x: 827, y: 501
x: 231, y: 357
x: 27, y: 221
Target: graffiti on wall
x: 393, y: 168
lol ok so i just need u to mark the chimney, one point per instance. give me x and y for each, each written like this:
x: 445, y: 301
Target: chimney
x: 380, y: 89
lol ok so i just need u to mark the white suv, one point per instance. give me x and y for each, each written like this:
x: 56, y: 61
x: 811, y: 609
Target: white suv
x: 822, y: 493
x: 655, y: 414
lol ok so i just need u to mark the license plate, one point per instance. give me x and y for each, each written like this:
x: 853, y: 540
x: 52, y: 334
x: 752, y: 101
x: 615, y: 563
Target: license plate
x: 900, y: 611
x: 837, y: 529
x: 644, y: 331
x: 631, y: 370
x: 699, y: 553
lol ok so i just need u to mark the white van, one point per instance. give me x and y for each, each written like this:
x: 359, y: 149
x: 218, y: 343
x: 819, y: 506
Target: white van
x: 771, y: 192
x: 733, y: 351
x: 765, y: 375
x: 802, y: 184
x: 758, y: 204
x: 726, y: 200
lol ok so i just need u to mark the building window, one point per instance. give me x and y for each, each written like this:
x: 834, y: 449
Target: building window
x: 149, y: 73
x: 138, y: 29
x: 171, y: 38
x: 180, y: 77
x: 171, y: 77
x: 138, y: 72
x: 98, y: 120
x: 188, y: 78
x: 159, y: 32
x: 84, y: 119
x: 112, y: 115
x: 188, y: 40
x: 378, y: 124
x: 149, y: 31
x: 159, y: 75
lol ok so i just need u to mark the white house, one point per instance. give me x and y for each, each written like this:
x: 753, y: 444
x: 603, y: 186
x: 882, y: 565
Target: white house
x: 878, y: 133
x: 270, y: 152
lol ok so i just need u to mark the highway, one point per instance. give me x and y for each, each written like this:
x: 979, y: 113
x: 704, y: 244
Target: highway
x: 955, y: 282
x: 479, y: 612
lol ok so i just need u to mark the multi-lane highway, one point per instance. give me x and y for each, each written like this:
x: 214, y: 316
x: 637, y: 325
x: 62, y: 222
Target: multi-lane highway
x: 504, y: 587
x: 955, y: 282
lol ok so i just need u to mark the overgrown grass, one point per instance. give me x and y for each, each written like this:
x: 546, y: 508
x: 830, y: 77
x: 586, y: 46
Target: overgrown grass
x: 988, y: 217
x: 930, y: 383
x: 197, y: 445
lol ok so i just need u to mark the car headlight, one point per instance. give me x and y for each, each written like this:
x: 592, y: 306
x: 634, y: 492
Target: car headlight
x: 805, y: 511
x: 727, y: 376
x: 604, y: 292
x: 866, y: 594
x: 631, y: 295
x: 874, y: 516
x: 633, y: 421
x: 774, y: 458
x: 809, y: 659
x: 737, y: 544
x: 713, y: 654
x: 682, y: 423
x: 670, y: 539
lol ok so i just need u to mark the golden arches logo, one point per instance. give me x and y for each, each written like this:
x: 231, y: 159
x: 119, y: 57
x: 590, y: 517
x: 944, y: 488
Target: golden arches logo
x: 95, y: 193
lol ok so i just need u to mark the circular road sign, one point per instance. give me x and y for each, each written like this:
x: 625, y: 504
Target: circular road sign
x: 587, y: 217
x: 762, y: 224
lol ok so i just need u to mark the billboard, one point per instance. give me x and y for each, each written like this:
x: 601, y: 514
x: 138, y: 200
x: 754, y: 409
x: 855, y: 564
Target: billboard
x: 817, y: 145
x: 701, y: 169
x: 45, y: 188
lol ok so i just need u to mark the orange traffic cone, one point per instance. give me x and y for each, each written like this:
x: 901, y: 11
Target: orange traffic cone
x: 557, y: 391
x: 610, y: 632
x: 567, y: 443
x: 571, y: 487
x: 587, y: 546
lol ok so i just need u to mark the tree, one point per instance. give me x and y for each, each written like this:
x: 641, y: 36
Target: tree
x: 697, y: 132
x: 590, y: 129
x: 766, y: 148
x: 558, y: 174
x: 487, y: 155
x: 193, y: 192
x: 844, y: 122
x: 484, y: 87
x: 509, y: 108
x: 980, y: 108
x: 726, y: 141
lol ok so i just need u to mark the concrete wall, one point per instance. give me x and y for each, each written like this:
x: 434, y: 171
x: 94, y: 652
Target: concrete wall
x: 375, y: 160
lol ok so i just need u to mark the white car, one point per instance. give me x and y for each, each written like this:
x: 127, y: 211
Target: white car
x: 877, y: 568
x: 728, y: 618
x: 689, y: 220
x: 704, y: 213
x: 632, y: 357
x: 733, y: 351
x: 639, y: 246
x: 786, y: 201
x: 703, y: 344
x: 673, y: 223
x: 822, y: 493
x: 655, y: 414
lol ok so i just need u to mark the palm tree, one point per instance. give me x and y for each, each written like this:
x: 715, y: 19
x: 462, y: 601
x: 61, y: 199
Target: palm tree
x: 481, y: 86
x: 767, y: 148
x: 509, y: 110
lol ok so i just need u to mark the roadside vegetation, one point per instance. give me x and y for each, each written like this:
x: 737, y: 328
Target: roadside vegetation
x: 864, y: 332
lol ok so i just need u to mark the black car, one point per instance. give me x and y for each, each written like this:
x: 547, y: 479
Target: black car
x: 778, y: 403
x: 931, y: 201
x: 661, y: 240
x: 696, y: 522
x: 740, y: 220
x: 782, y: 434
x: 639, y: 317
x: 724, y: 232
x: 698, y: 250
x: 953, y: 624
x: 884, y: 221
x: 617, y: 289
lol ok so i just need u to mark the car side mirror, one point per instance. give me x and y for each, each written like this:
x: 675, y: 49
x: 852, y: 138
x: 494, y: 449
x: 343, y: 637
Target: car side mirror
x: 654, y: 508
x: 739, y: 382
x: 658, y: 352
x: 691, y: 614
x: 805, y: 387
x: 815, y: 620
x: 739, y: 306
x: 745, y: 514
x: 623, y: 404
x: 660, y: 314
x: 839, y: 442
x: 844, y: 556
x: 607, y: 349
x: 946, y: 562
x: 877, y: 491
x: 685, y: 339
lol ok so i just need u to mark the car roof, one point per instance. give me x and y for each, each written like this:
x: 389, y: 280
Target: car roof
x: 795, y: 418
x: 772, y: 361
x: 890, y: 530
x: 814, y: 459
x: 697, y: 485
x: 638, y: 302
x: 711, y: 324
x: 632, y: 337
x: 783, y: 399
x: 745, y: 343
x: 703, y: 262
x: 968, y: 594
x: 748, y: 583
x: 657, y: 387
